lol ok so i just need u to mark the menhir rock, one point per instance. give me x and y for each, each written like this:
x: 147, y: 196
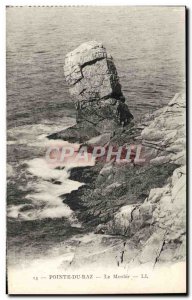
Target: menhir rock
x: 94, y: 86
x: 91, y: 74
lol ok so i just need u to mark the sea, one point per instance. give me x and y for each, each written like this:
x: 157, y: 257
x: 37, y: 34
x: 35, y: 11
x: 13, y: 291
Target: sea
x: 148, y: 47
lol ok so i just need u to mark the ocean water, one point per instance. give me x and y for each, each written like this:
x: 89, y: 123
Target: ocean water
x: 148, y: 47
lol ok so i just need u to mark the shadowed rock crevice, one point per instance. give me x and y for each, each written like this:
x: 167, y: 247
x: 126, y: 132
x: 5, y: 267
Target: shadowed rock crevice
x: 91, y: 62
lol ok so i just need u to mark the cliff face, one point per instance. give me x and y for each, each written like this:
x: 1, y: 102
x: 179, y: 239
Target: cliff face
x: 138, y: 213
x: 164, y: 138
x: 159, y: 224
x: 144, y: 207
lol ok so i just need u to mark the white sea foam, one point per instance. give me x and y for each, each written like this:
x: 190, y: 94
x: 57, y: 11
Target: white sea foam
x: 48, y: 193
x: 40, y: 168
x: 36, y: 134
x: 50, y: 181
x: 46, y: 196
x: 60, y: 210
x: 57, y: 212
x: 13, y: 210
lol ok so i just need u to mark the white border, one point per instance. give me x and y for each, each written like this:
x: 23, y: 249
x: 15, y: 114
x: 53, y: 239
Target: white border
x: 96, y: 2
x: 4, y: 3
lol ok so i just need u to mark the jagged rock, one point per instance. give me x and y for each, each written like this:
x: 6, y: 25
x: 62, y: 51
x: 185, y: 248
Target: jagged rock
x: 96, y: 251
x: 152, y: 135
x: 151, y: 250
x: 105, y: 173
x: 179, y: 188
x: 91, y: 74
x: 160, y: 160
x: 78, y: 133
x: 177, y: 101
x: 94, y: 85
x: 165, y: 211
x: 178, y: 173
x: 101, y: 229
x: 111, y: 187
x: 155, y: 195
x: 159, y: 223
x: 100, y: 140
x: 107, y: 169
x: 154, y: 225
x: 164, y: 137
x: 122, y: 220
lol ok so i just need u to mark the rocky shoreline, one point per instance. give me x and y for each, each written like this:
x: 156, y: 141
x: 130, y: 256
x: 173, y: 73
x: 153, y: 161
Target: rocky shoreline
x: 132, y: 214
x: 144, y: 206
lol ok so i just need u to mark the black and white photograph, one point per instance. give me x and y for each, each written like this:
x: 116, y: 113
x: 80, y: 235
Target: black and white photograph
x: 96, y: 150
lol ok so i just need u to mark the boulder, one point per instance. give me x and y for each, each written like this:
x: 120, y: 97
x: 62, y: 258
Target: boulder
x: 91, y: 73
x: 94, y: 86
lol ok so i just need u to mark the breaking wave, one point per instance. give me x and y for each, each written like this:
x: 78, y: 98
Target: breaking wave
x: 44, y: 183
